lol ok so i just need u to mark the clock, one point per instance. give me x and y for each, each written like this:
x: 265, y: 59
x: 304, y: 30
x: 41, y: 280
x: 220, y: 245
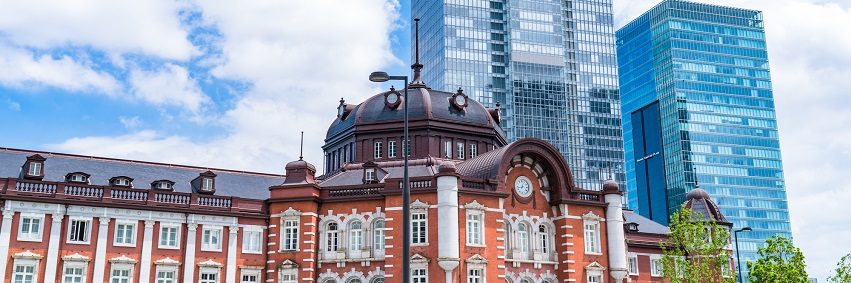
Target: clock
x: 523, y: 186
x: 392, y: 98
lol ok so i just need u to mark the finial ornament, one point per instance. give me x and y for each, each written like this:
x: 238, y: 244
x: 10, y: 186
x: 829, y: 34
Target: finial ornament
x: 301, y: 150
x: 417, y: 82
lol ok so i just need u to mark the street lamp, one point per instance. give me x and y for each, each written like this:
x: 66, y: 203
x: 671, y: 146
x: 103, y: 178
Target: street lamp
x: 738, y: 260
x: 381, y: 77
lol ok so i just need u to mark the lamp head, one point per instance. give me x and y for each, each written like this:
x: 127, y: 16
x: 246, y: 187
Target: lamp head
x: 747, y: 229
x: 379, y: 77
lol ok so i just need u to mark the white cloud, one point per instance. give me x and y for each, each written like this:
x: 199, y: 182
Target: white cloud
x: 130, y: 122
x: 151, y: 27
x: 299, y: 59
x: 171, y: 85
x: 808, y: 43
x: 21, y: 68
x: 12, y: 105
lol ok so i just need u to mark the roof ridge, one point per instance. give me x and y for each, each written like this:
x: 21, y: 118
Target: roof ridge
x: 111, y: 159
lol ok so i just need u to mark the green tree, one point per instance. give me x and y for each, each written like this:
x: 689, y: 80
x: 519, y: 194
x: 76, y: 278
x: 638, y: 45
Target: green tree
x: 843, y: 271
x: 779, y: 261
x: 696, y: 250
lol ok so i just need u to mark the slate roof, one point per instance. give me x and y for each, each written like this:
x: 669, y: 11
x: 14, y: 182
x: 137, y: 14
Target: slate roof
x: 355, y: 176
x: 228, y: 182
x: 484, y: 166
x: 424, y: 104
x: 645, y: 225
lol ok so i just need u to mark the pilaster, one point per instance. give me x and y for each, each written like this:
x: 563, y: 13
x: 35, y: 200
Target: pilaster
x: 189, y: 256
x: 5, y: 238
x: 233, y: 232
x: 147, y: 244
x: 100, y: 252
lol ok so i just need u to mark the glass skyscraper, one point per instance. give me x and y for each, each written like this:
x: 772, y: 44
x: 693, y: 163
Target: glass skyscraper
x: 551, y: 64
x: 698, y: 110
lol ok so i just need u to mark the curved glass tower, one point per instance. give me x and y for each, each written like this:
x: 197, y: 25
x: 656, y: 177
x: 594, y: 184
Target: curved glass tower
x: 550, y: 64
x: 698, y: 109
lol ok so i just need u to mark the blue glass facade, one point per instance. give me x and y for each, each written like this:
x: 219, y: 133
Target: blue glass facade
x: 551, y: 64
x: 706, y: 67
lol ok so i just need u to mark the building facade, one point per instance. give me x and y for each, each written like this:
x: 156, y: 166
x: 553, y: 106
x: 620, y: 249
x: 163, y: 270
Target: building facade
x: 483, y: 210
x: 551, y: 65
x: 698, y: 108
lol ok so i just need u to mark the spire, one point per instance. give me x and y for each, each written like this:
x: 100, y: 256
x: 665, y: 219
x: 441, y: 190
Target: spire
x: 417, y: 82
x: 301, y: 149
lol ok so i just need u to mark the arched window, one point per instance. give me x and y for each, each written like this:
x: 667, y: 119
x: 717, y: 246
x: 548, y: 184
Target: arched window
x: 379, y: 279
x: 543, y: 236
x: 332, y: 234
x: 355, y: 236
x: 526, y: 280
x: 508, y: 236
x: 353, y: 280
x: 378, y: 235
x: 523, y: 237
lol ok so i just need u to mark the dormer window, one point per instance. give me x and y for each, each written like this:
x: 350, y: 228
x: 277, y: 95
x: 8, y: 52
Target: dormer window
x: 369, y: 176
x: 121, y: 181
x: 632, y: 227
x: 165, y: 185
x: 77, y: 177
x: 33, y: 167
x: 205, y: 183
x: 208, y: 184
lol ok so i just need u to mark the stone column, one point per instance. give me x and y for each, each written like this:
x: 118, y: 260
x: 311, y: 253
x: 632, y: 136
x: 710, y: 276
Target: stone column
x: 5, y: 238
x: 231, y: 264
x: 615, y: 234
x: 448, y: 239
x: 100, y: 252
x: 147, y: 245
x: 189, y: 257
x: 53, y: 247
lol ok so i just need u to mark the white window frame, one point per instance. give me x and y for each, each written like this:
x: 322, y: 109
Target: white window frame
x: 369, y: 175
x: 29, y: 236
x: 34, y: 169
x: 81, y: 265
x: 421, y: 218
x: 632, y: 264
x: 243, y: 272
x: 447, y: 149
x: 78, y: 178
x: 356, y: 236
x: 290, y: 233
x: 545, y: 239
x: 207, y: 270
x: 460, y: 149
x: 288, y: 272
x: 523, y: 237
x: 474, y: 150
x: 118, y: 267
x: 25, y: 264
x: 592, y: 237
x: 252, y: 235
x: 163, y: 227
x: 378, y: 237
x: 206, y: 242
x: 475, y: 231
x: 419, y: 275
x: 88, y: 229
x: 132, y: 242
x: 656, y: 266
x: 332, y: 235
x: 475, y: 275
x: 163, y: 268
x: 391, y: 149
x: 376, y: 150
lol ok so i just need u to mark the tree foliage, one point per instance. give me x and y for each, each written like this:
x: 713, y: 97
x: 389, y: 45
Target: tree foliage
x: 696, y: 250
x: 843, y: 271
x: 779, y: 261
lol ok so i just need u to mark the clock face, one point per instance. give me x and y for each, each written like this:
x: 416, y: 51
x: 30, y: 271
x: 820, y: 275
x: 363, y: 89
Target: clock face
x: 392, y: 98
x: 460, y: 100
x: 340, y: 110
x: 523, y: 186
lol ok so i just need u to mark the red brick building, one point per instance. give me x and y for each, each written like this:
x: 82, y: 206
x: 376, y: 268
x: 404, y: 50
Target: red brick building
x: 483, y: 210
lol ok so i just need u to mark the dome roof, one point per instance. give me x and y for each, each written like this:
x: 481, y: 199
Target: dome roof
x: 611, y: 186
x: 299, y: 164
x: 424, y: 104
x: 699, y: 201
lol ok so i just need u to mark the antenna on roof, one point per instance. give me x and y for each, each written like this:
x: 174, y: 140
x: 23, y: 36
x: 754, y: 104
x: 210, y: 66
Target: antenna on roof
x: 694, y: 171
x: 417, y: 67
x: 301, y: 150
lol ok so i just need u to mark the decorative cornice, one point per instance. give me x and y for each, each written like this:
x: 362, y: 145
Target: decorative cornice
x: 122, y: 259
x: 167, y: 261
x: 28, y: 254
x: 210, y: 263
x: 474, y: 205
x: 76, y: 257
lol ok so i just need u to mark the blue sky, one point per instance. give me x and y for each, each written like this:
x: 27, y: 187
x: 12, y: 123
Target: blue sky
x: 230, y: 84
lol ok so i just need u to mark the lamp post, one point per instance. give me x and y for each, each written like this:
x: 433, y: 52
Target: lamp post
x: 738, y: 260
x: 406, y: 192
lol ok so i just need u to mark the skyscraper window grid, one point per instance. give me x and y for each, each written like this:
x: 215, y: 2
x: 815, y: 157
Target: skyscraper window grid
x: 704, y: 70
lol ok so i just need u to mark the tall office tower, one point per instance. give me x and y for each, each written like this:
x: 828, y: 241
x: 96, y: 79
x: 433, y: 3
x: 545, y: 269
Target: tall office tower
x: 551, y: 65
x: 697, y: 101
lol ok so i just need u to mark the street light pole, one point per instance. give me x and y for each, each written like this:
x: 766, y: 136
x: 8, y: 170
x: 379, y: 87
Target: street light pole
x: 406, y: 191
x: 738, y: 259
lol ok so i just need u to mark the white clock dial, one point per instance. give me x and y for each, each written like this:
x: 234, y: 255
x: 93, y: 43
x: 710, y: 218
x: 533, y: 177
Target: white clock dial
x: 392, y: 98
x: 460, y: 100
x: 523, y: 186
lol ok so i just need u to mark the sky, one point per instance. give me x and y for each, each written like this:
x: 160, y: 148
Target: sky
x: 231, y: 84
